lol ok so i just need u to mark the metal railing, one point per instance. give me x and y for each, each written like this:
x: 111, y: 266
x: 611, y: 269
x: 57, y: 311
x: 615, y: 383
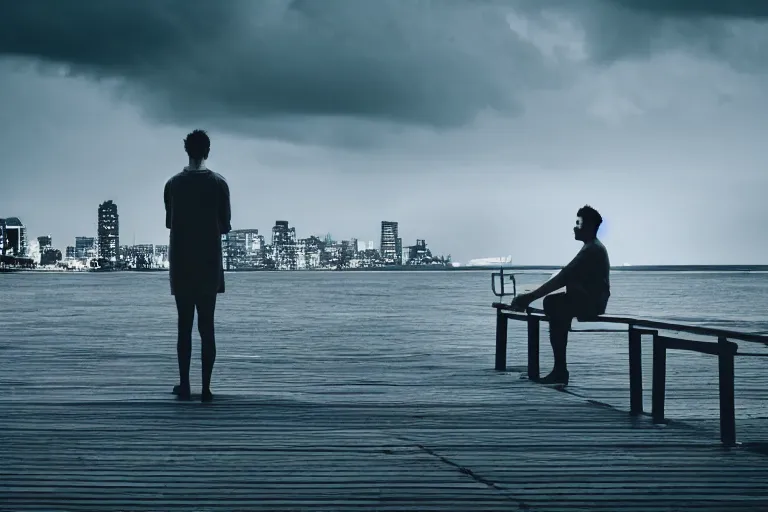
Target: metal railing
x: 723, y: 348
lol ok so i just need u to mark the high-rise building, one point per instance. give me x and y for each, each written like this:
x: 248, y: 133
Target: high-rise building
x: 389, y: 237
x: 109, y: 232
x: 13, y: 238
x: 244, y: 248
x: 416, y: 254
x: 70, y: 252
x: 45, y: 242
x: 139, y: 255
x: 284, y: 246
x: 3, y: 238
x: 85, y: 247
x: 310, y: 252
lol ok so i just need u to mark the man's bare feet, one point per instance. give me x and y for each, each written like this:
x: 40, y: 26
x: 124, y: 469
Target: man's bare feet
x: 556, y: 377
x: 182, y: 392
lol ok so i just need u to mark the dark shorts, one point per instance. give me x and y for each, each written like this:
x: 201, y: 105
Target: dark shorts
x: 562, y: 308
x: 196, y: 282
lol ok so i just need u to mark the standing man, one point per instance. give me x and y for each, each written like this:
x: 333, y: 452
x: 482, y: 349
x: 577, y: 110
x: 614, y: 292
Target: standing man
x: 197, y: 211
x: 588, y: 287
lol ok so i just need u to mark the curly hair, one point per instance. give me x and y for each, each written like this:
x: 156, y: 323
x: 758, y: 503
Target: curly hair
x: 590, y: 216
x: 197, y: 145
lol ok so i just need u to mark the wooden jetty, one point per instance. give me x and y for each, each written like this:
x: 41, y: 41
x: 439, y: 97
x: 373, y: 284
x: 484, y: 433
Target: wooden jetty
x: 507, y: 445
x: 447, y: 439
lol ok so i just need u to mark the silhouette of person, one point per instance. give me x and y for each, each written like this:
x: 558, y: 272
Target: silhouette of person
x: 587, y: 282
x: 198, y: 213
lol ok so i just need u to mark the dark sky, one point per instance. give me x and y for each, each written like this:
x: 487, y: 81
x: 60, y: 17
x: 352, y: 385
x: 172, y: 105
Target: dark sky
x: 481, y: 126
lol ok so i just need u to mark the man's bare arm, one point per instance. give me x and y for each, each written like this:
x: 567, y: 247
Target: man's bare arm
x: 225, y: 209
x: 168, y: 207
x: 550, y: 286
x: 560, y: 280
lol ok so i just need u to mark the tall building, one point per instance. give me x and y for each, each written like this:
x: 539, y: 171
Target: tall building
x: 70, y: 252
x: 310, y: 253
x: 109, y: 232
x: 417, y: 254
x: 389, y: 238
x: 3, y: 238
x: 45, y: 242
x: 85, y: 247
x: 244, y: 248
x: 138, y: 256
x: 284, y: 246
x: 13, y: 238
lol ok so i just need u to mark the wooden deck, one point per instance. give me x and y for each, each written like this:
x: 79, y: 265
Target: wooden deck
x: 482, y: 441
x: 335, y: 409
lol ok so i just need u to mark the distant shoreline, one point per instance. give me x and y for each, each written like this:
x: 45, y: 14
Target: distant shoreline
x: 440, y: 268
x: 486, y: 268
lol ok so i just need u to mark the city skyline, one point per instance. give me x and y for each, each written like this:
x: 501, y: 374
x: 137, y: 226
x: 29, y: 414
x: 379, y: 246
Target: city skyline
x: 88, y: 238
x: 242, y: 248
x: 84, y: 241
x: 488, y: 123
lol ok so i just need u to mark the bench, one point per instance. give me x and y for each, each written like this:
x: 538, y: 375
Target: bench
x: 636, y: 328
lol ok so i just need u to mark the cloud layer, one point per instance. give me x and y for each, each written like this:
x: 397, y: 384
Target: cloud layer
x: 410, y: 61
x: 733, y: 31
x: 258, y: 67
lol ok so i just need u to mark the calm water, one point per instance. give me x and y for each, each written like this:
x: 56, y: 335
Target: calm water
x: 342, y: 336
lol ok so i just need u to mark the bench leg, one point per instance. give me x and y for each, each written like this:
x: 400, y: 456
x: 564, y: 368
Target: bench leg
x: 727, y: 395
x: 501, y: 341
x: 533, y: 348
x: 659, y: 379
x: 635, y: 372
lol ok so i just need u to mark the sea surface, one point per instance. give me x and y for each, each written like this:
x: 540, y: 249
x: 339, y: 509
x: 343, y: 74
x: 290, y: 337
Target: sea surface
x: 325, y: 336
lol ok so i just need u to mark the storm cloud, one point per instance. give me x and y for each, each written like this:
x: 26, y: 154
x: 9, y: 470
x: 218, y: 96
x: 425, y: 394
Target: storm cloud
x: 732, y: 31
x: 257, y: 67
x: 417, y: 62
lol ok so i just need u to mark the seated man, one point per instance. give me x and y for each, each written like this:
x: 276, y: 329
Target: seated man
x: 587, y: 283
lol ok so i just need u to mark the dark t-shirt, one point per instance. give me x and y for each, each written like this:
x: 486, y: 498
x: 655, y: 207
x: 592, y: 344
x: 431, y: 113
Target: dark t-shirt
x: 587, y: 276
x: 197, y: 211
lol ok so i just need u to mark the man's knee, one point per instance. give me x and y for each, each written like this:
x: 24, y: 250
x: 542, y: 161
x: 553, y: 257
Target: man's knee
x: 558, y: 310
x: 555, y: 304
x: 548, y: 304
x: 205, y: 324
x: 205, y: 316
x: 206, y: 330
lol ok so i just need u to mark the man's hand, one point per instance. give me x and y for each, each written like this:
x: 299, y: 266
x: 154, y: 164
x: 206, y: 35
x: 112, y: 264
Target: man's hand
x: 522, y: 301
